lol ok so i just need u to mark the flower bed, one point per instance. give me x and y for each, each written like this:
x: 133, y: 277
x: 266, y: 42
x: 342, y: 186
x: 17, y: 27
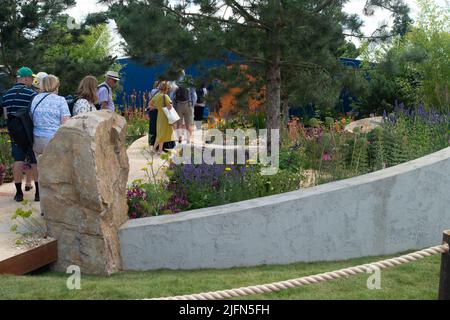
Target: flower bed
x: 318, y: 153
x: 6, y: 161
x: 137, y: 124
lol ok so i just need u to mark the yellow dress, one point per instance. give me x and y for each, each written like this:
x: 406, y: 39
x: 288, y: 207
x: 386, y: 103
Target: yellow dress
x: 164, y: 130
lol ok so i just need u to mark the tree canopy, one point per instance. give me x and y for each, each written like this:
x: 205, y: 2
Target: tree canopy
x: 36, y: 34
x: 282, y: 42
x: 415, y: 68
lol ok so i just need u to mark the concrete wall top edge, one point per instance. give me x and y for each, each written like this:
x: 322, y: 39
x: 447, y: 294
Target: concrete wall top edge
x: 403, y: 168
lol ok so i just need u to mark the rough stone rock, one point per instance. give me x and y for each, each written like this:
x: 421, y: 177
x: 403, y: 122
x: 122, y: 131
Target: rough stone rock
x: 365, y: 125
x: 83, y: 174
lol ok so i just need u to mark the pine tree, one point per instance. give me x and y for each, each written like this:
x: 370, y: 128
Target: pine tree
x: 22, y: 23
x: 275, y: 38
x: 36, y: 34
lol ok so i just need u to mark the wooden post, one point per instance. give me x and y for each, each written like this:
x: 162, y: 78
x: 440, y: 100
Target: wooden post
x: 444, y: 282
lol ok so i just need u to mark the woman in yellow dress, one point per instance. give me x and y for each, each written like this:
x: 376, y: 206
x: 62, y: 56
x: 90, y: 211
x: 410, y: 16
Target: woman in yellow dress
x: 164, y: 130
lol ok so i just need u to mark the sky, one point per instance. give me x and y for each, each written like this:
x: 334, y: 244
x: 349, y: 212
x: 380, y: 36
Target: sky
x: 84, y: 7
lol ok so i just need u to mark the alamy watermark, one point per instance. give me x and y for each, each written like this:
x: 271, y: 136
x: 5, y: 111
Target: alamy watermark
x: 72, y: 24
x: 232, y: 147
x: 74, y: 281
x: 374, y: 281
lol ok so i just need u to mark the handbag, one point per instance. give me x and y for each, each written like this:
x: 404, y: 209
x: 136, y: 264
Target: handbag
x: 172, y: 115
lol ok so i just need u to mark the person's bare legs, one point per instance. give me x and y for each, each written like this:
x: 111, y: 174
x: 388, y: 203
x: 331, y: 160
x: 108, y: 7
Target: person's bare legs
x: 34, y: 172
x: 158, y: 147
x: 18, y: 176
x: 29, y: 177
x: 190, y: 138
x: 18, y: 171
x: 179, y: 125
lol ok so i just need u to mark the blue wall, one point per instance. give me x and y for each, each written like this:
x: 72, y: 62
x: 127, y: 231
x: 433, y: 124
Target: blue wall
x: 138, y: 80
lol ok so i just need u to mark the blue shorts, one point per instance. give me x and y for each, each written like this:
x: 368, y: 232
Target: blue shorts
x: 22, y: 155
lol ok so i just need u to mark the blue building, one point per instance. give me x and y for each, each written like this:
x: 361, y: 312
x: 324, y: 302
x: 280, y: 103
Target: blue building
x: 137, y: 81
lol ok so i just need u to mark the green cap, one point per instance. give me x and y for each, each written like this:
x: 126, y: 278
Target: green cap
x: 24, y: 72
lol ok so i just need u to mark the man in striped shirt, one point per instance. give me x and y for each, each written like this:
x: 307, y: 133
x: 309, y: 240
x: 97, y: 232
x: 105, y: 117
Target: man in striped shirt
x: 17, y: 98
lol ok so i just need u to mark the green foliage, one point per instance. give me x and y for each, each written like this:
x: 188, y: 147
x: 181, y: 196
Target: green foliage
x: 25, y: 224
x: 137, y: 123
x: 414, y: 69
x: 35, y: 34
x: 207, y: 186
x: 313, y: 122
x: 6, y: 160
x: 333, y: 154
x: 5, y: 149
x: 136, y: 128
x: 147, y: 199
x: 290, y: 159
x: 23, y: 29
x: 74, y: 57
x: 377, y: 149
x: 244, y: 121
x: 429, y: 43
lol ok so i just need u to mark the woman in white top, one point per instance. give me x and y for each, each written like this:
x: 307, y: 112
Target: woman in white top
x: 49, y: 111
x: 86, y: 96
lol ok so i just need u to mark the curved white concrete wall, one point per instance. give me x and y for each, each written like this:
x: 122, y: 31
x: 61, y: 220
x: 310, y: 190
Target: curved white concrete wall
x: 401, y: 208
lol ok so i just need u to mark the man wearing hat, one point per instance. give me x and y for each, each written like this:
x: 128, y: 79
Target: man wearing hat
x: 16, y: 99
x: 104, y: 91
x: 38, y: 80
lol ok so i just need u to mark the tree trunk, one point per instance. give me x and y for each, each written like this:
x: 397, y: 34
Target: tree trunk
x: 273, y: 99
x: 273, y: 75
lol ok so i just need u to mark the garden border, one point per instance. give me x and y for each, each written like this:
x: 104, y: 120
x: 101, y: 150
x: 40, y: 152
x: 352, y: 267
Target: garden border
x: 384, y: 212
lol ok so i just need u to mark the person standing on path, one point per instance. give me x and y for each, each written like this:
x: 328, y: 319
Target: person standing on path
x: 199, y: 107
x: 105, y: 90
x: 15, y: 100
x: 27, y: 167
x: 164, y: 131
x: 86, y: 96
x: 49, y: 111
x: 185, y: 99
x: 152, y: 115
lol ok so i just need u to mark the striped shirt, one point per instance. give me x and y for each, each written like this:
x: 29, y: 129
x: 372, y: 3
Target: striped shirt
x: 17, y: 98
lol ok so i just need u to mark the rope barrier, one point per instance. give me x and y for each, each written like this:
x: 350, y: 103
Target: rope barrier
x: 322, y: 277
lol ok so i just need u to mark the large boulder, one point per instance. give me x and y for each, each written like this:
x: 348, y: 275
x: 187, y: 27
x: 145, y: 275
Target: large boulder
x: 83, y: 175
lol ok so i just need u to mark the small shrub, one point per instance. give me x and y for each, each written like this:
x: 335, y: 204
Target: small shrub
x: 26, y: 225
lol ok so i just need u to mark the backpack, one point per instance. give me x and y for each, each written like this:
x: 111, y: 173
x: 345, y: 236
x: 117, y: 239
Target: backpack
x: 98, y: 105
x: 20, y: 126
x: 200, y: 96
x: 182, y: 94
x: 71, y: 103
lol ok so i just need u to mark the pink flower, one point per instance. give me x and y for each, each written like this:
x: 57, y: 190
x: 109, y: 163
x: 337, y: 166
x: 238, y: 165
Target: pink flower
x: 326, y: 157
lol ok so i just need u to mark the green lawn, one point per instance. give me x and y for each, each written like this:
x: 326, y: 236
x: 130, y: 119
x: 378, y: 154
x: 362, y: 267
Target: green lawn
x: 417, y: 280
